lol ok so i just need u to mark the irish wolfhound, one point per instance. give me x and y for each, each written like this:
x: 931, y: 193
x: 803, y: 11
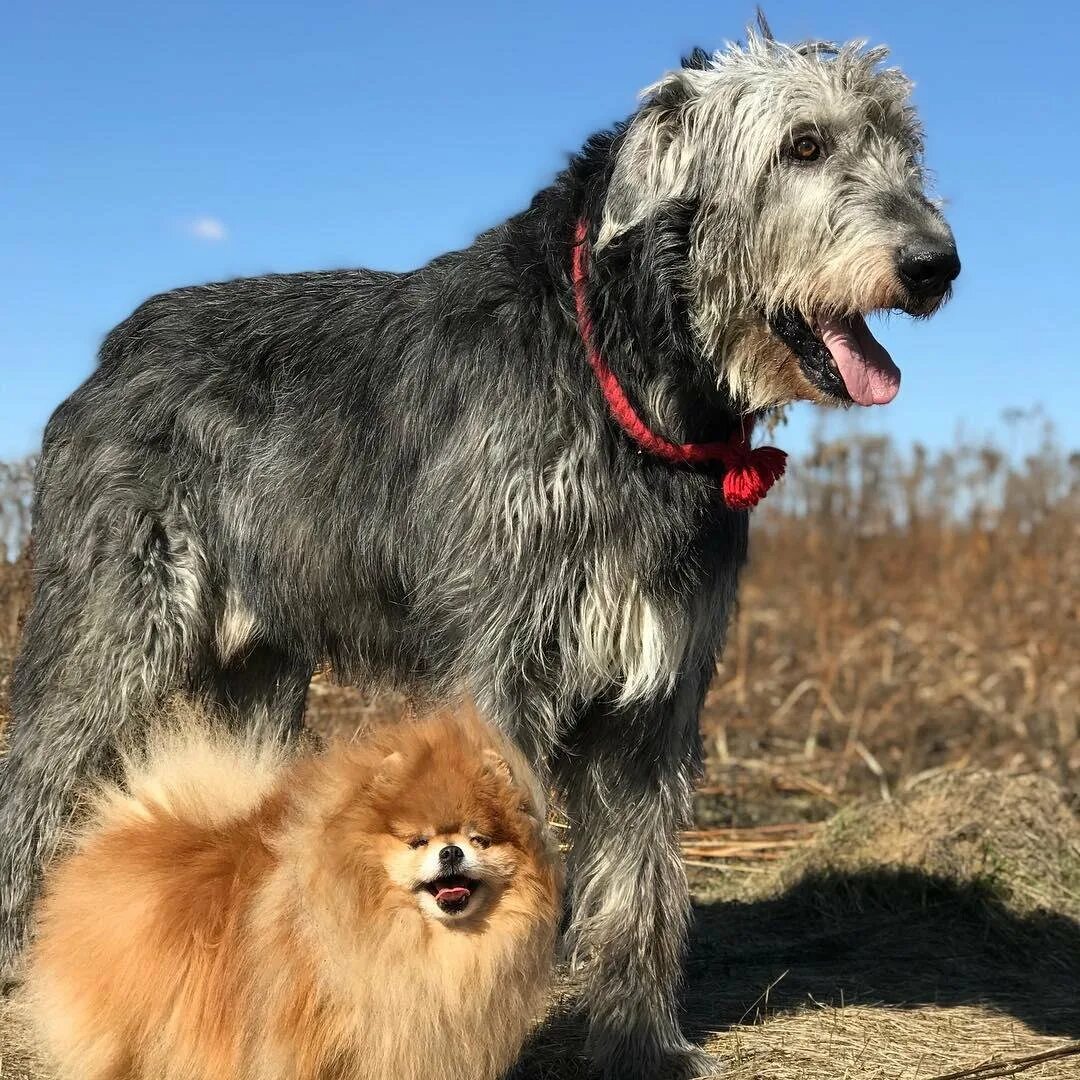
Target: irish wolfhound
x: 501, y: 471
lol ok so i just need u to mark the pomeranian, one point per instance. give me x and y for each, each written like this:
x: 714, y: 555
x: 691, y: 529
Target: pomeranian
x: 385, y: 909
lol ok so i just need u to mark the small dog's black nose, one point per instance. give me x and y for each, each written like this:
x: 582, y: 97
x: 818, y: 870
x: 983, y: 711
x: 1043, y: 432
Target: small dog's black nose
x: 451, y: 855
x: 927, y: 268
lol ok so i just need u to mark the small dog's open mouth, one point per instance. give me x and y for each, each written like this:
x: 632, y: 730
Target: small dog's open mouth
x: 840, y: 356
x: 453, y: 892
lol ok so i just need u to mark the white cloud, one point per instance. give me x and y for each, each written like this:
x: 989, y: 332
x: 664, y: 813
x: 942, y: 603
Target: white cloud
x: 210, y: 229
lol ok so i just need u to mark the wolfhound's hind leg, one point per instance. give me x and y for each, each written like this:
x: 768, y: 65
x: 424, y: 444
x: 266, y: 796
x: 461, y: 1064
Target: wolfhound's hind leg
x: 264, y: 691
x: 114, y: 629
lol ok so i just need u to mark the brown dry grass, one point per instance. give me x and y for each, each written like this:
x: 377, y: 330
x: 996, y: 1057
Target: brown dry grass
x: 868, y: 907
x: 906, y: 940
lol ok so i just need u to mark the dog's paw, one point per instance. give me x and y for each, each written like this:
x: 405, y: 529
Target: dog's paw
x: 694, y: 1063
x: 686, y: 1062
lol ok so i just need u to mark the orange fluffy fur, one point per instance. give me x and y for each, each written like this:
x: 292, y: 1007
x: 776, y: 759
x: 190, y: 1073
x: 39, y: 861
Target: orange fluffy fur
x: 234, y: 912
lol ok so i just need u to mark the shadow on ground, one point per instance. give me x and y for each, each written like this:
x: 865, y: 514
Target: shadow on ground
x: 893, y: 937
x: 879, y: 937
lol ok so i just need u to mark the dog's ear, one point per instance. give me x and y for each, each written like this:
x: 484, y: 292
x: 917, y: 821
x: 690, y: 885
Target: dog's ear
x: 512, y: 769
x: 498, y: 766
x: 654, y: 162
x: 388, y: 770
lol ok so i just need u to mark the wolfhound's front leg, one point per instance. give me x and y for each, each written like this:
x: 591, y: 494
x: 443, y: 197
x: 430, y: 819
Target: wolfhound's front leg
x: 627, y: 781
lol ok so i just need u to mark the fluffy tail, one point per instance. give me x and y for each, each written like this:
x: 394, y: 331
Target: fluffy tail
x: 192, y: 769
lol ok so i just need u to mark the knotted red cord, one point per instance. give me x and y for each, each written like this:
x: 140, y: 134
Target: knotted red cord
x: 748, y: 473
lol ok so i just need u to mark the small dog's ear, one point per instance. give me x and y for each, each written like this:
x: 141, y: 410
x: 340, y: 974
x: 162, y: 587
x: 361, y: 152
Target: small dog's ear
x: 498, y: 766
x: 532, y: 802
x: 388, y: 768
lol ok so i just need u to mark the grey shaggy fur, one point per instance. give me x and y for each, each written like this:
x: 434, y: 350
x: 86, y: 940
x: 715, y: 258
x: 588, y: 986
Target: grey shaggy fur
x: 414, y: 477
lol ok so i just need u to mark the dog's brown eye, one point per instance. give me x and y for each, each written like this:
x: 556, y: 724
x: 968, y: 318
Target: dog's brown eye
x: 418, y: 842
x: 480, y: 841
x: 806, y: 148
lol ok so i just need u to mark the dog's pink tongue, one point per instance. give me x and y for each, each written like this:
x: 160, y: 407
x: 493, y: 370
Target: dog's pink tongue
x: 867, y: 369
x: 450, y: 893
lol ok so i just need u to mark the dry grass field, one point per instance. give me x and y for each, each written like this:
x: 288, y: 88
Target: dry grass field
x: 886, y: 858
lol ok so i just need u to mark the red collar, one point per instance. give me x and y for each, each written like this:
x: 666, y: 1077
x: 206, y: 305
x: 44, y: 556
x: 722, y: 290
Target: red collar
x: 747, y: 474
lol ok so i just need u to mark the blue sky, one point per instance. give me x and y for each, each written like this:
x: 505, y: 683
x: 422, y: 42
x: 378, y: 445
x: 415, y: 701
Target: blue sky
x: 147, y: 146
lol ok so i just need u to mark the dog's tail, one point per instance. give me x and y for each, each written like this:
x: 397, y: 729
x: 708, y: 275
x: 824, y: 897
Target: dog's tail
x: 193, y: 769
x: 138, y: 930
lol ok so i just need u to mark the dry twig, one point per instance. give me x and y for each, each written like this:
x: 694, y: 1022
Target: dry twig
x: 1010, y: 1066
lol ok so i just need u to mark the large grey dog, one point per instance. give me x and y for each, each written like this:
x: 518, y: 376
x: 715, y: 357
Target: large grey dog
x: 420, y: 479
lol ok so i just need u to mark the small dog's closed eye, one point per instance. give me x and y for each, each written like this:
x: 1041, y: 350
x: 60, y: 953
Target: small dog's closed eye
x: 339, y: 903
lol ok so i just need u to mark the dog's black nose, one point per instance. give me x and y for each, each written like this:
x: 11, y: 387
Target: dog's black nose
x: 927, y: 268
x: 451, y: 855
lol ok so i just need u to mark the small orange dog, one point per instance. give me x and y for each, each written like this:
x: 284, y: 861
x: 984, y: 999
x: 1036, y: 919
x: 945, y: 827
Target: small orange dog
x: 382, y: 910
